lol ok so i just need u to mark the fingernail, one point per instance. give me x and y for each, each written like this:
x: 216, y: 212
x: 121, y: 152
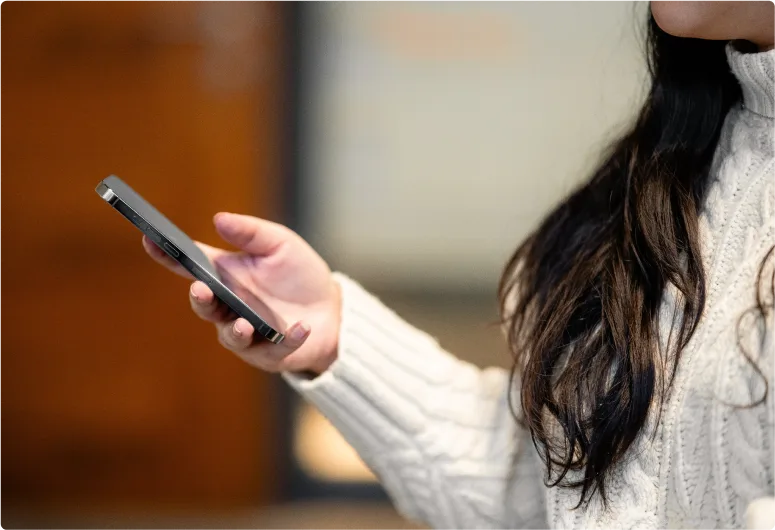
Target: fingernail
x: 237, y: 331
x: 299, y: 331
x: 196, y: 296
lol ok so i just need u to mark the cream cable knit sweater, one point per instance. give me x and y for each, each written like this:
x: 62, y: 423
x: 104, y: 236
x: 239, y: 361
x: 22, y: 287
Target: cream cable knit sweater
x: 438, y: 432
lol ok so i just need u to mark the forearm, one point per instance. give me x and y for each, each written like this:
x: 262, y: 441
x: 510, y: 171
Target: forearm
x: 436, y: 430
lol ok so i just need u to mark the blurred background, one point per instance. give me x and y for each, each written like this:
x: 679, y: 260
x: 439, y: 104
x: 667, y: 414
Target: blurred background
x: 413, y: 144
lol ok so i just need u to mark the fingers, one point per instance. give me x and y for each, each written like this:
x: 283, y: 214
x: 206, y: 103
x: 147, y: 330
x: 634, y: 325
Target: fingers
x: 251, y: 234
x: 206, y: 305
x: 237, y: 336
x: 294, y: 338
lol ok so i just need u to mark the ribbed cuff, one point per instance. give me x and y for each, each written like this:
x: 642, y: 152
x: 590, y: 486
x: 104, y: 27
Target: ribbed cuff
x: 436, y: 430
x: 384, y: 367
x: 377, y: 391
x: 387, y: 367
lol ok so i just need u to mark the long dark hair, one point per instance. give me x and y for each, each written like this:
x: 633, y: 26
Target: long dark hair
x: 581, y: 295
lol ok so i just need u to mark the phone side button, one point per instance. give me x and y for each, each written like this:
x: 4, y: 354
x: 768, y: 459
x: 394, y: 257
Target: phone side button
x: 199, y: 275
x: 172, y: 251
x: 150, y: 232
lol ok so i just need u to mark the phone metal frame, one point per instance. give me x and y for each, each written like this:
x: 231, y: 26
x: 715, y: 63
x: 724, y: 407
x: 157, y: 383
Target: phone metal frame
x: 221, y: 291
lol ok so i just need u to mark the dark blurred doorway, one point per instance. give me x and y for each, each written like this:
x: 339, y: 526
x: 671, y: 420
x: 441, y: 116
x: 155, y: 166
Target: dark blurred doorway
x: 113, y: 394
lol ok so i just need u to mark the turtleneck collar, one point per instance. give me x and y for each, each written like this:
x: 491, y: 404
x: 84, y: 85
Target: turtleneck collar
x: 756, y: 74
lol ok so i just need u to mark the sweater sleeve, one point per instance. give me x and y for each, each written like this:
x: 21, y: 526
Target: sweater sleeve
x: 436, y: 431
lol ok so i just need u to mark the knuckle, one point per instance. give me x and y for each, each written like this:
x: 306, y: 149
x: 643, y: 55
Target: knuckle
x: 287, y: 363
x: 258, y: 357
x: 201, y: 314
x: 231, y: 340
x: 202, y: 310
x: 224, y: 338
x: 271, y: 366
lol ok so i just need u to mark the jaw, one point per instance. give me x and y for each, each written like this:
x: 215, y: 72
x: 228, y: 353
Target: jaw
x: 752, y: 21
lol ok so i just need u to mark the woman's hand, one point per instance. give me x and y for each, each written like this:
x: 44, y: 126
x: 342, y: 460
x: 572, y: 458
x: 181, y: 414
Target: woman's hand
x: 285, y: 274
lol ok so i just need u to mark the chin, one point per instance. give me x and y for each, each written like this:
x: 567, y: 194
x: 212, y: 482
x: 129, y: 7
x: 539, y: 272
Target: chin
x: 675, y: 17
x: 699, y: 20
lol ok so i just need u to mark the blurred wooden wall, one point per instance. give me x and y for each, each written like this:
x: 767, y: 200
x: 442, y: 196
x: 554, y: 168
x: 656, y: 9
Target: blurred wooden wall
x: 113, y: 393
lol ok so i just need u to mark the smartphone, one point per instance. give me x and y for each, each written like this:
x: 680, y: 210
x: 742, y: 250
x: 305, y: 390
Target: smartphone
x: 182, y: 249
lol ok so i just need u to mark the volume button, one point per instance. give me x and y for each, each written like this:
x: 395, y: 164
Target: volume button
x: 202, y: 277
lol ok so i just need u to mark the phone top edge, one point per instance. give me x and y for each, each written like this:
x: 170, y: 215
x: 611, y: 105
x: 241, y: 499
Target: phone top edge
x: 274, y: 336
x: 106, y: 193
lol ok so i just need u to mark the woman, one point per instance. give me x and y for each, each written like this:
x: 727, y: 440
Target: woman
x: 639, y: 314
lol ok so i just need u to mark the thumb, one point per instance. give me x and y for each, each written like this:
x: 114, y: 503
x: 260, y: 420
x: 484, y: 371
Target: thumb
x: 251, y: 234
x: 295, y: 336
x: 310, y: 363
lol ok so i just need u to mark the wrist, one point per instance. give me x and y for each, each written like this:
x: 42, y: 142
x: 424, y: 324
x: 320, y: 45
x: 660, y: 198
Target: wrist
x: 330, y: 349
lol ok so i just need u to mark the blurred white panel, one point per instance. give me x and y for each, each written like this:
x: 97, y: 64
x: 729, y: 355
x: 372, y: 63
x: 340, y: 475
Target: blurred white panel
x: 322, y: 452
x: 438, y: 134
